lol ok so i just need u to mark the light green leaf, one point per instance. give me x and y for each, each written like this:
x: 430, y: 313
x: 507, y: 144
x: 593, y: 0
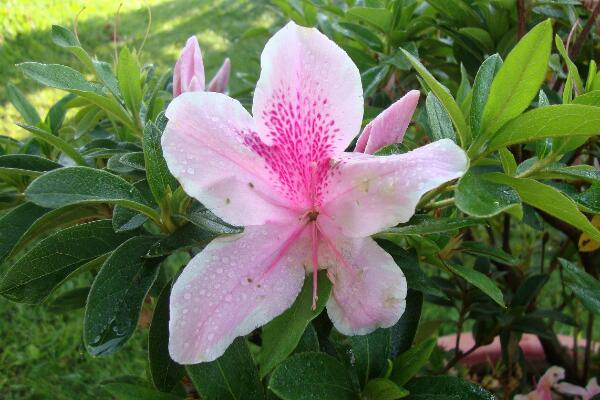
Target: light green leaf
x: 66, y: 39
x: 282, y: 335
x: 383, y: 389
x: 483, y: 199
x: 439, y: 120
x: 481, y: 90
x: 443, y: 95
x: 572, y: 68
x: 128, y: 76
x: 547, y: 199
x: 407, y: 364
x: 479, y: 280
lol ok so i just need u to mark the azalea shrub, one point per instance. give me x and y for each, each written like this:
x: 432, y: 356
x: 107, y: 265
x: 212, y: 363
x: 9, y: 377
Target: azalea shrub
x: 398, y: 170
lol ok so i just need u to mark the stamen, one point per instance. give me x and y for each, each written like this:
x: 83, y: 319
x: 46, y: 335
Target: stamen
x: 315, y: 261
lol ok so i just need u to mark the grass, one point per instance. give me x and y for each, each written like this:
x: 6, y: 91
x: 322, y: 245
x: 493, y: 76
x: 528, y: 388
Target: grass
x: 41, y: 353
x: 25, y: 35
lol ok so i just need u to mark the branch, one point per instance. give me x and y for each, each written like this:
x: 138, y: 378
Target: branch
x: 585, y: 32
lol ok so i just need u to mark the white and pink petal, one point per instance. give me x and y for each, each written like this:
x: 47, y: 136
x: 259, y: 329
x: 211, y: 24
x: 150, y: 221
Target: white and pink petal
x: 236, y: 284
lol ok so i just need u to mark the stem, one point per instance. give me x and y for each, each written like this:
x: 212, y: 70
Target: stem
x: 457, y: 357
x: 439, y: 204
x: 522, y: 15
x: 433, y: 193
x: 585, y: 32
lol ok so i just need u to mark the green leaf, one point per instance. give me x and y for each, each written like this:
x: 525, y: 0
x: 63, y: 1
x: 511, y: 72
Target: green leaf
x: 444, y: 96
x: 361, y: 34
x: 439, y: 120
x: 370, y: 354
x: 128, y: 75
x: 14, y: 224
x: 164, y: 372
x: 457, y: 11
x: 565, y: 120
x: 411, y: 361
x: 126, y: 219
x: 66, y: 39
x: 188, y: 236
x: 309, y: 376
x: 480, y: 36
x: 483, y: 199
x: 479, y: 280
x: 77, y: 185
x: 281, y: 336
x: 403, y: 333
x: 232, y: 376
x: 482, y: 249
x: 380, y: 18
x: 133, y: 160
x: 372, y: 78
x: 590, y: 98
x: 206, y: 220
x: 583, y: 285
x: 383, y: 389
x: 572, y: 68
x: 449, y: 387
x: 481, y: 90
x: 426, y: 225
x: 26, y: 164
x: 71, y: 300
x: 117, y: 295
x: 528, y: 290
x: 57, y: 142
x: 547, y: 199
x: 518, y: 80
x: 161, y: 182
x: 130, y: 391
x: 23, y: 106
x: 49, y: 263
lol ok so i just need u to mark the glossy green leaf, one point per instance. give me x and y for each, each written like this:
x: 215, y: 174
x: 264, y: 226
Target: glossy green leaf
x: 483, y: 199
x: 407, y: 364
x: 161, y: 182
x: 117, y: 295
x: 443, y: 95
x: 26, y: 164
x: 77, y: 185
x: 309, y: 376
x: 164, y: 372
x: 128, y: 76
x: 481, y: 90
x: 370, y: 354
x: 479, y: 280
x: 509, y: 164
x: 232, y: 376
x: 383, y: 389
x: 565, y: 120
x: 281, y: 336
x: 35, y: 275
x: 133, y: 160
x: 450, y: 387
x: 583, y: 285
x: 57, y: 142
x: 518, y: 80
x: 547, y: 199
x: 426, y: 225
x: 439, y: 120
x: 23, y: 106
x: 14, y: 224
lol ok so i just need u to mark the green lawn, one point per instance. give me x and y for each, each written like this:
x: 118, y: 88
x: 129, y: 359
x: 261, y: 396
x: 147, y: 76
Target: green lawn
x: 41, y: 354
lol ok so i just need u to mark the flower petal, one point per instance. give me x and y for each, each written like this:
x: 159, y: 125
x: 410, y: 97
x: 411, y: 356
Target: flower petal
x: 389, y: 126
x: 236, y: 284
x: 203, y: 145
x: 370, y: 193
x: 309, y: 95
x: 369, y: 289
x: 219, y: 82
x: 571, y: 390
x: 188, y: 74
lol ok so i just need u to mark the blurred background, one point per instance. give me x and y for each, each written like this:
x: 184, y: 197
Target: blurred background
x: 41, y: 354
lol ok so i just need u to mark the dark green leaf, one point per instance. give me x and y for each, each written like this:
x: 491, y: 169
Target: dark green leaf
x: 33, y: 277
x: 378, y: 17
x: 481, y: 249
x: 411, y: 361
x: 439, y: 120
x: 186, y: 237
x: 26, y: 164
x: 479, y: 280
x: 583, y: 285
x: 232, y: 376
x: 133, y: 160
x: 309, y: 376
x: 205, y: 219
x: 14, y: 224
x: 56, y: 142
x: 451, y: 387
x: 281, y: 336
x: 370, y: 354
x: 403, y: 333
x: 426, y: 225
x: 129, y: 391
x: 528, y: 290
x: 72, y: 300
x: 165, y: 372
x: 481, y: 90
x: 161, y: 182
x: 117, y: 295
x: 383, y: 389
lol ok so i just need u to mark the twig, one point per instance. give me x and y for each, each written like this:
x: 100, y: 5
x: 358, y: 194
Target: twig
x: 457, y: 357
x: 585, y: 32
x: 521, y: 13
x: 75, y: 24
x: 147, y: 30
x: 588, y: 346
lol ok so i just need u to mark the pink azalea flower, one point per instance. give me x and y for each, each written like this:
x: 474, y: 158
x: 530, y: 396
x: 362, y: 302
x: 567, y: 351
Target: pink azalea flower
x: 543, y: 390
x: 188, y: 75
x: 585, y: 393
x: 282, y: 173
